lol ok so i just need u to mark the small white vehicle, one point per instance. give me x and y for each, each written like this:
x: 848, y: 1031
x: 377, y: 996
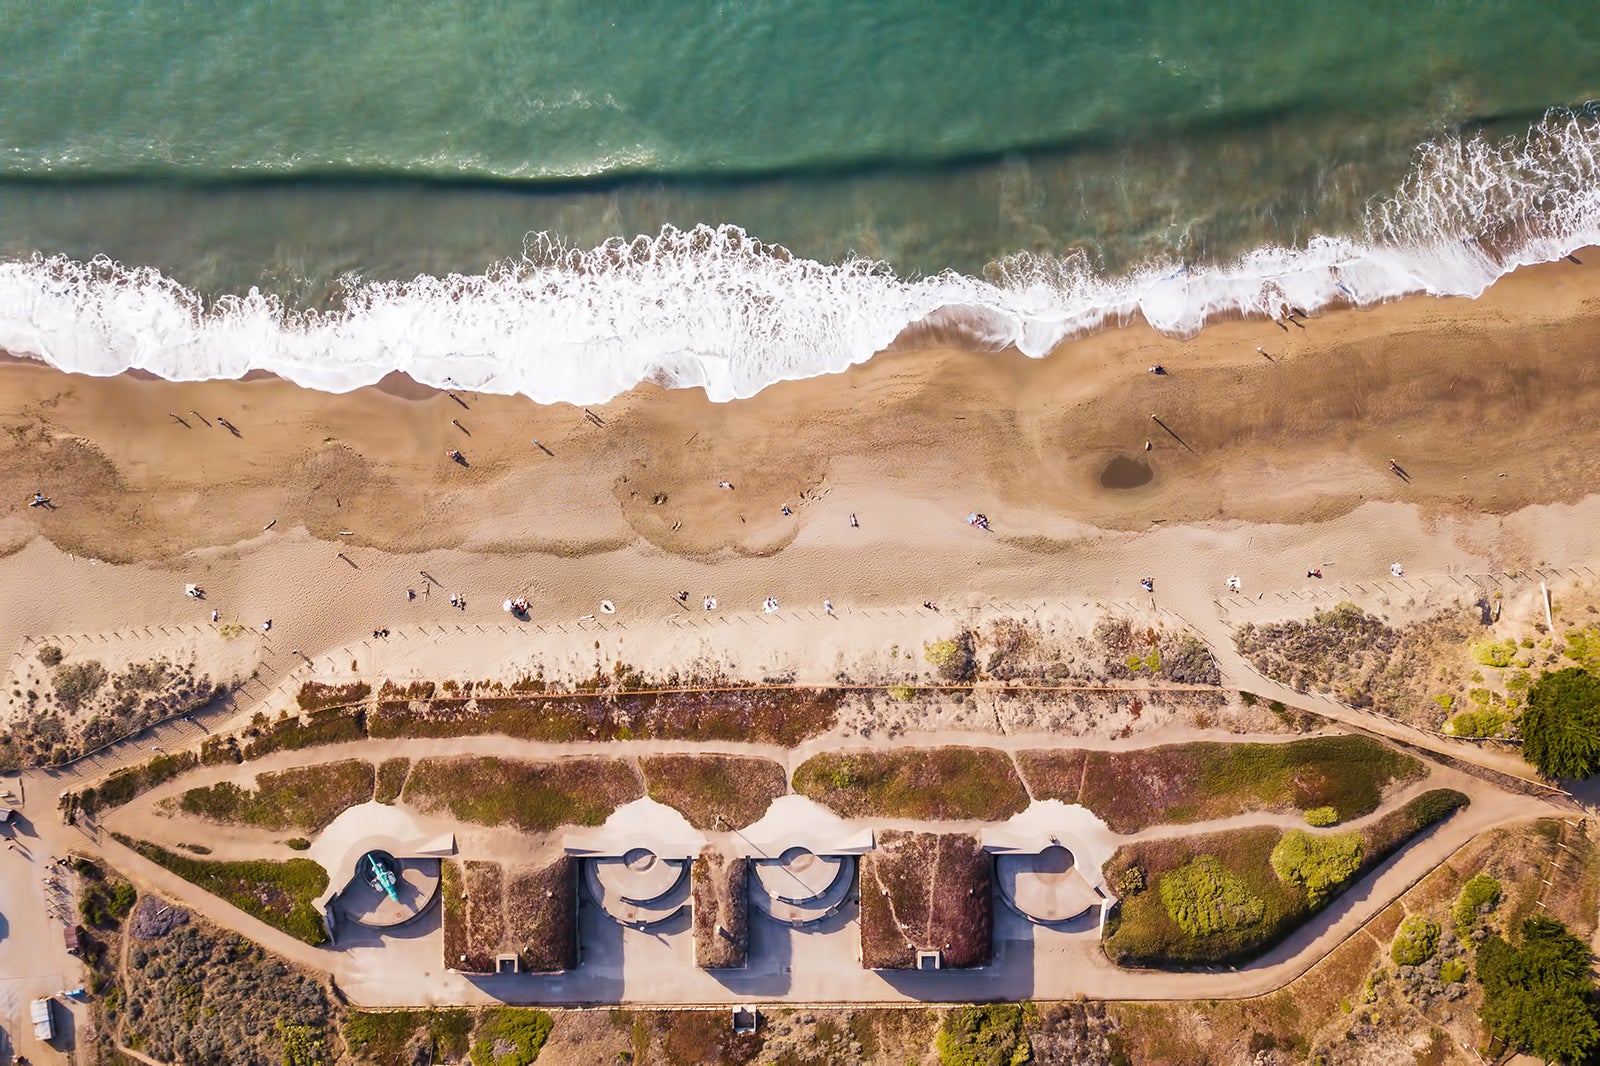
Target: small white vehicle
x: 44, y: 1026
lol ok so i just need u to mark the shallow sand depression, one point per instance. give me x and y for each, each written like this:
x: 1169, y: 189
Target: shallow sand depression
x: 1126, y: 472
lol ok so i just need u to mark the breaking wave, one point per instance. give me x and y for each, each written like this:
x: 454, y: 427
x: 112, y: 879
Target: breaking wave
x: 715, y: 308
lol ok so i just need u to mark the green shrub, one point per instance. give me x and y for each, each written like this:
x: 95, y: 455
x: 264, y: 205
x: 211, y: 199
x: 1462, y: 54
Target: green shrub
x: 297, y: 844
x: 1203, y: 898
x: 1322, y: 817
x: 1478, y: 724
x: 1247, y: 698
x: 903, y: 693
x: 50, y: 655
x: 1320, y: 863
x: 1415, y: 942
x: 990, y: 1034
x: 1479, y: 892
x: 1131, y: 881
x: 1496, y: 653
x: 1561, y: 724
x: 303, y: 1045
x: 1452, y: 971
x: 955, y: 659
x: 1583, y: 646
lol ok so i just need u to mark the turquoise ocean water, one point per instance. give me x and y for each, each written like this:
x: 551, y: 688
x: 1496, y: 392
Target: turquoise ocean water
x: 334, y: 190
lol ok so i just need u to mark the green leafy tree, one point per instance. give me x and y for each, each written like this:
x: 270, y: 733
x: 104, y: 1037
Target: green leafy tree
x: 1561, y: 724
x: 1540, y: 996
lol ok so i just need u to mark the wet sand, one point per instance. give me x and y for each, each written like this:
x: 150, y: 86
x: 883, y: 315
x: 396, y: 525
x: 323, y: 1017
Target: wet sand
x: 1485, y: 405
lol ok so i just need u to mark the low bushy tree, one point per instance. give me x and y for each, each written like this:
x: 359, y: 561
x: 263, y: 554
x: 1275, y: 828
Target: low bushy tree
x: 1540, y: 996
x: 1561, y: 724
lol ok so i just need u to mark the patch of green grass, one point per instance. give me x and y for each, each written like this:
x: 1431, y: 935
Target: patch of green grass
x: 1416, y: 941
x: 989, y: 1034
x: 382, y: 1036
x: 1178, y: 783
x: 305, y: 798
x: 705, y: 786
x: 333, y: 725
x: 391, y: 778
x: 520, y: 1031
x: 936, y: 783
x: 278, y: 893
x: 532, y: 796
x: 124, y: 785
x: 1319, y: 863
x: 1583, y: 647
x: 1204, y: 898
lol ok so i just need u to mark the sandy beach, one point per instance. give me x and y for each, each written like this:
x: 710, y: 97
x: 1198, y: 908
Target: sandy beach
x: 320, y: 511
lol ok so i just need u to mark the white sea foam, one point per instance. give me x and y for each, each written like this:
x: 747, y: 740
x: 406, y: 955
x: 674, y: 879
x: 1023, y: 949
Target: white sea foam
x: 717, y: 309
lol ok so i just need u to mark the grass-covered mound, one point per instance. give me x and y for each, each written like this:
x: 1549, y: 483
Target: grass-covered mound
x: 1225, y: 897
x: 279, y: 893
x: 527, y: 911
x: 1178, y: 783
x: 306, y: 798
x: 926, y: 892
x: 702, y: 787
x: 941, y: 783
x: 721, y: 886
x: 530, y: 795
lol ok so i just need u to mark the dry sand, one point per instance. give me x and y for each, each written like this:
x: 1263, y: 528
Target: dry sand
x: 1270, y: 466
